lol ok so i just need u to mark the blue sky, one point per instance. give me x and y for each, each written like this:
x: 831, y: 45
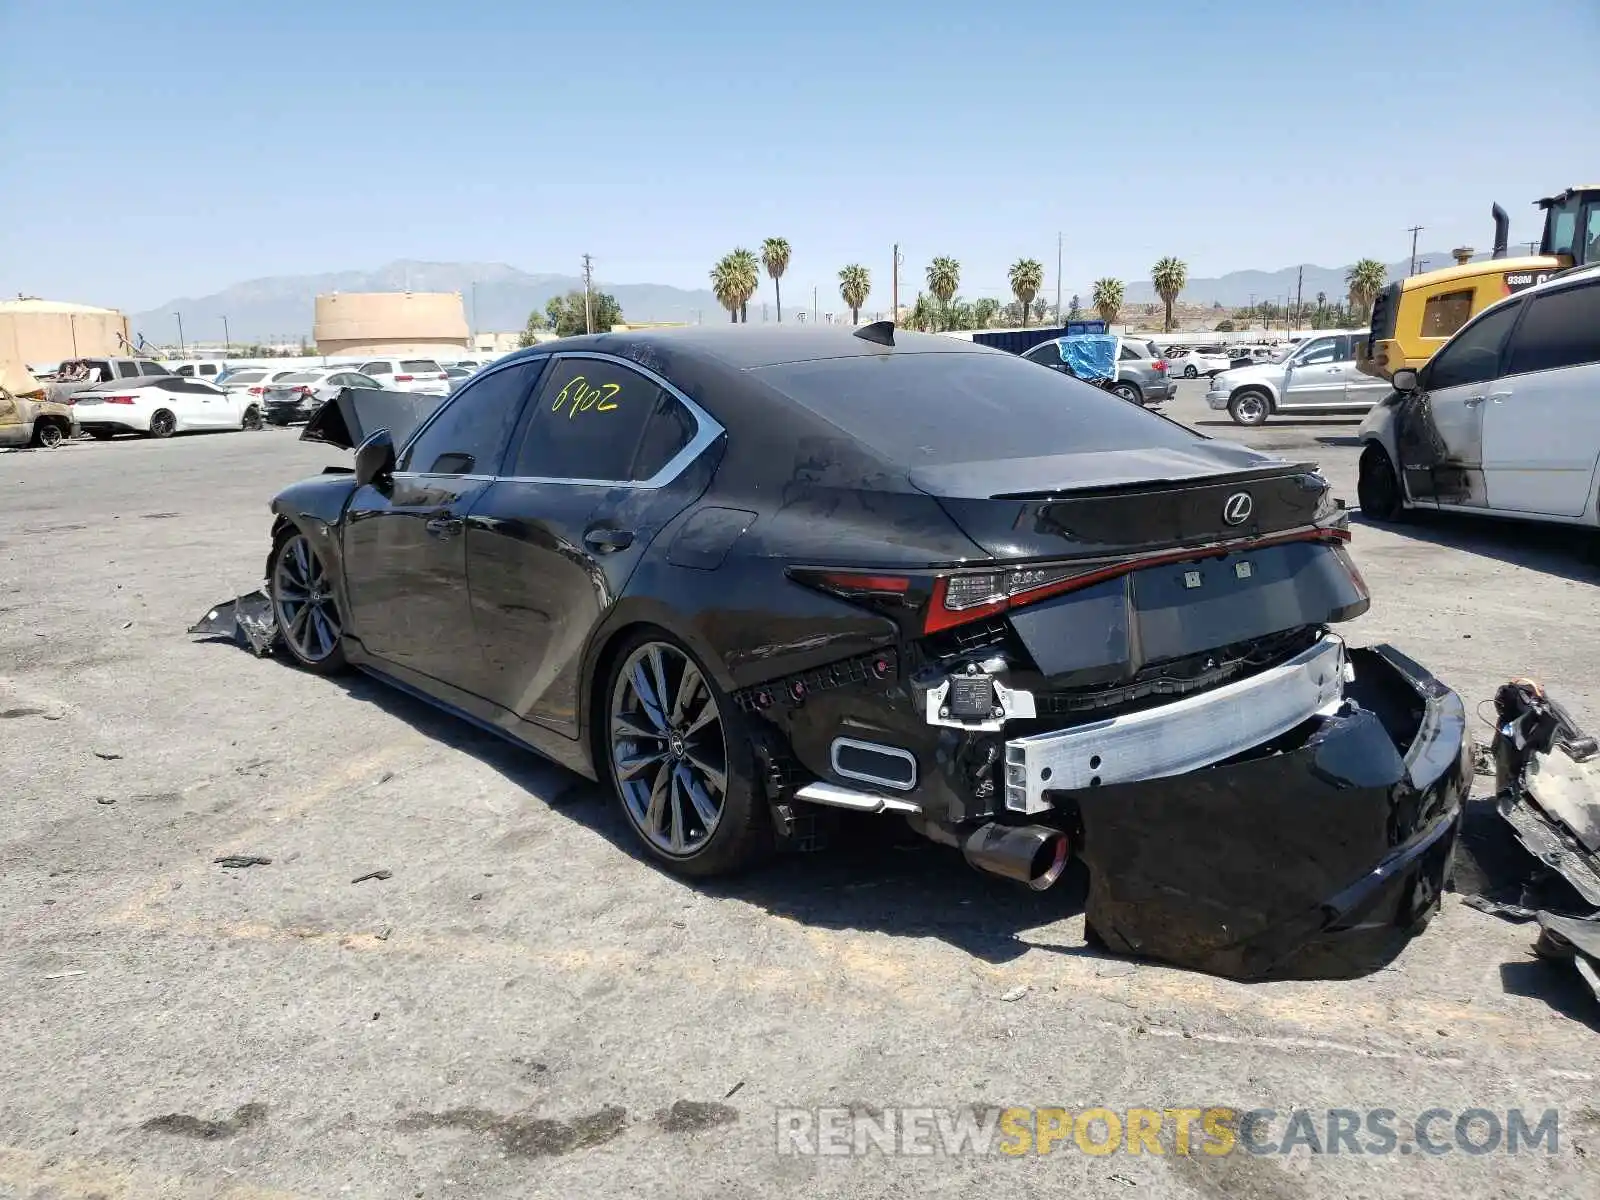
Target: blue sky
x: 175, y: 147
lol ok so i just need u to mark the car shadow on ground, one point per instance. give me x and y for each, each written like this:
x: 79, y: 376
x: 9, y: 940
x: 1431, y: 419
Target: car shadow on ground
x: 1564, y: 551
x: 872, y: 874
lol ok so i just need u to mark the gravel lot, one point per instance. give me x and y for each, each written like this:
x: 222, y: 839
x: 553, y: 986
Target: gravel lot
x: 526, y: 1008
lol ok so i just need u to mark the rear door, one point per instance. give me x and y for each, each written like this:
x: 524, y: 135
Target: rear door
x: 1541, y: 418
x: 405, y: 557
x: 606, y: 455
x: 1456, y: 383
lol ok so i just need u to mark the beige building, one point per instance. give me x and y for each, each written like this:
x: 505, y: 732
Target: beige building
x: 43, y: 332
x: 356, y: 323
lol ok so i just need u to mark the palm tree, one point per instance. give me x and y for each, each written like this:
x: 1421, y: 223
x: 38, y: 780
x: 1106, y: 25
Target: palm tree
x: 747, y: 274
x: 944, y: 277
x: 855, y: 285
x: 1108, y: 298
x: 1169, y: 275
x: 725, y: 285
x: 1365, y: 280
x: 1027, y: 277
x: 775, y: 257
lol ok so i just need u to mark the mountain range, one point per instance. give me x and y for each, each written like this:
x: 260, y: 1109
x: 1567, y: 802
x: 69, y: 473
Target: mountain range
x: 500, y: 297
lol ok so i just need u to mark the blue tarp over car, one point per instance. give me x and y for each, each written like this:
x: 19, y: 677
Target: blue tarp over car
x: 1090, y: 355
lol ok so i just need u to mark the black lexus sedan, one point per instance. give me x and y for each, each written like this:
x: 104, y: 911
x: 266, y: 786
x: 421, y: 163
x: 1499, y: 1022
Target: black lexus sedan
x: 742, y: 576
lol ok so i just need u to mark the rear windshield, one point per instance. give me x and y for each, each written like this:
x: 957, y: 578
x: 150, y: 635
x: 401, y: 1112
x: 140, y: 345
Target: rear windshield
x: 245, y: 376
x: 921, y: 409
x: 420, y: 366
x: 301, y: 377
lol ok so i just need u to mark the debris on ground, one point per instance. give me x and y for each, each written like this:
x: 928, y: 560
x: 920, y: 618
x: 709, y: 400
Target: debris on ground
x: 246, y: 620
x: 106, y: 754
x: 373, y: 875
x: 1016, y: 993
x: 242, y: 860
x: 1547, y: 796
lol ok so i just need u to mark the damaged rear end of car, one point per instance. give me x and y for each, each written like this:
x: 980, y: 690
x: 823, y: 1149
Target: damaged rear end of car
x: 1139, y: 671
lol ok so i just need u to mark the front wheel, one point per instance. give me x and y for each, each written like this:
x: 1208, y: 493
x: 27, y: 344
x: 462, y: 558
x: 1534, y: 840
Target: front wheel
x: 680, y: 761
x: 163, y: 424
x: 1378, y: 487
x: 49, y: 436
x: 1189, y: 372
x: 1249, y: 408
x: 252, y: 418
x: 301, y: 588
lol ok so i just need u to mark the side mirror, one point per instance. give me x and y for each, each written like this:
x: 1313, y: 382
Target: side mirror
x: 1405, y: 380
x: 375, y: 458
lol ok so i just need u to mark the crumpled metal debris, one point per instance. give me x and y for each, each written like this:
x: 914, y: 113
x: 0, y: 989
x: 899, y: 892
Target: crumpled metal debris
x: 1547, y: 779
x: 247, y: 620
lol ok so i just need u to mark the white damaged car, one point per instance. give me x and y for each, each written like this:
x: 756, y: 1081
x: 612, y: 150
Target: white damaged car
x: 161, y: 405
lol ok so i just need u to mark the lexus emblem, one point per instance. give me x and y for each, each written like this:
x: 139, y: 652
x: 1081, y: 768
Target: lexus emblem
x: 1237, y: 508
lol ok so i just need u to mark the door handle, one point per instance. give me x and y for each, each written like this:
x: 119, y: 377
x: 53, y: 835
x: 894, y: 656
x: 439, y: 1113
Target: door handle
x: 606, y: 540
x: 1473, y: 401
x: 444, y: 527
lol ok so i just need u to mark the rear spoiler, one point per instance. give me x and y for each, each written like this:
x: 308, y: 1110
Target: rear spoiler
x: 355, y: 414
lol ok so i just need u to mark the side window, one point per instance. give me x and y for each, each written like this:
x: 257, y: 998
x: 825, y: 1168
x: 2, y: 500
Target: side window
x: 670, y: 428
x: 470, y: 432
x: 1323, y: 350
x: 1444, y: 314
x: 126, y: 369
x: 376, y: 368
x: 1473, y: 355
x: 1049, y: 354
x: 186, y: 369
x: 1562, y: 329
x: 207, y: 369
x: 586, y: 422
x: 1126, y: 354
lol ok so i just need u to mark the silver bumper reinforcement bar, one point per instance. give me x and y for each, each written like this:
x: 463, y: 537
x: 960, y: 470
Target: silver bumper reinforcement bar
x: 1185, y: 735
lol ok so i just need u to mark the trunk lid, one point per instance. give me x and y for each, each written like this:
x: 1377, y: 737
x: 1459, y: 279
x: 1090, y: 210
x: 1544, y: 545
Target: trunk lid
x: 1119, y: 502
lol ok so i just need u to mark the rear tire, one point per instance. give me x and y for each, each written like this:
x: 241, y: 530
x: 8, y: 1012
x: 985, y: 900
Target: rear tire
x: 1189, y: 372
x: 252, y: 418
x: 1250, y: 407
x: 667, y: 734
x: 1128, y: 392
x: 163, y: 424
x: 1378, y: 487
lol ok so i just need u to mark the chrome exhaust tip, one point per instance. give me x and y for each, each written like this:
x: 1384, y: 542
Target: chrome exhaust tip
x: 1030, y: 854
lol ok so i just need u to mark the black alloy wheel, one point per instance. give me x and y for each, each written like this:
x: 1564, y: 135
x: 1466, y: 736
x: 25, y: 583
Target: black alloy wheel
x: 163, y: 424
x: 304, y: 605
x: 680, y: 761
x: 252, y: 418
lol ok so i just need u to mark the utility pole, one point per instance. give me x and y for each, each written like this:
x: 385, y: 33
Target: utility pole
x: 894, y: 292
x: 180, y: 334
x: 588, y: 295
x: 227, y: 339
x: 1058, y: 278
x: 1299, y: 292
x: 1414, y: 230
x: 813, y: 304
x: 474, y: 316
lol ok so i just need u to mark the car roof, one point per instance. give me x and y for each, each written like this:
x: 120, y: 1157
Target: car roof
x: 745, y: 348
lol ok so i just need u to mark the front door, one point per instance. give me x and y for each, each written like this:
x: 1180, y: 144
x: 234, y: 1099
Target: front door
x: 1315, y: 378
x: 606, y: 456
x: 1541, y: 419
x: 1360, y: 389
x: 1442, y: 452
x: 11, y: 430
x: 405, y: 549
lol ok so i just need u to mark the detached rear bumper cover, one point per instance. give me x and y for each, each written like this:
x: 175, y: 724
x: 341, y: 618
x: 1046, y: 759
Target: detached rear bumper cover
x: 1318, y: 854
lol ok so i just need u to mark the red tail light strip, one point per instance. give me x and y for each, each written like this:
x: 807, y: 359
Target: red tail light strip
x: 939, y: 617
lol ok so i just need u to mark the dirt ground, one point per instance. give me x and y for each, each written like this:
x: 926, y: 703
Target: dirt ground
x: 526, y: 1008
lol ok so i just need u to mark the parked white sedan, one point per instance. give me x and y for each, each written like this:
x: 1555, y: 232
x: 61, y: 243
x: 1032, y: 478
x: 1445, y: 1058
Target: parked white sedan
x: 1192, y: 364
x: 161, y: 406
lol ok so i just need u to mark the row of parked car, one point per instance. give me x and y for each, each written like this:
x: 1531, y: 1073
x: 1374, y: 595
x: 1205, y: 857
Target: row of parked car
x: 115, y: 395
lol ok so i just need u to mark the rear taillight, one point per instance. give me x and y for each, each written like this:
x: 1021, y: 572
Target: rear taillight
x: 118, y: 399
x: 1161, y: 365
x: 303, y: 391
x: 256, y: 391
x: 404, y: 378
